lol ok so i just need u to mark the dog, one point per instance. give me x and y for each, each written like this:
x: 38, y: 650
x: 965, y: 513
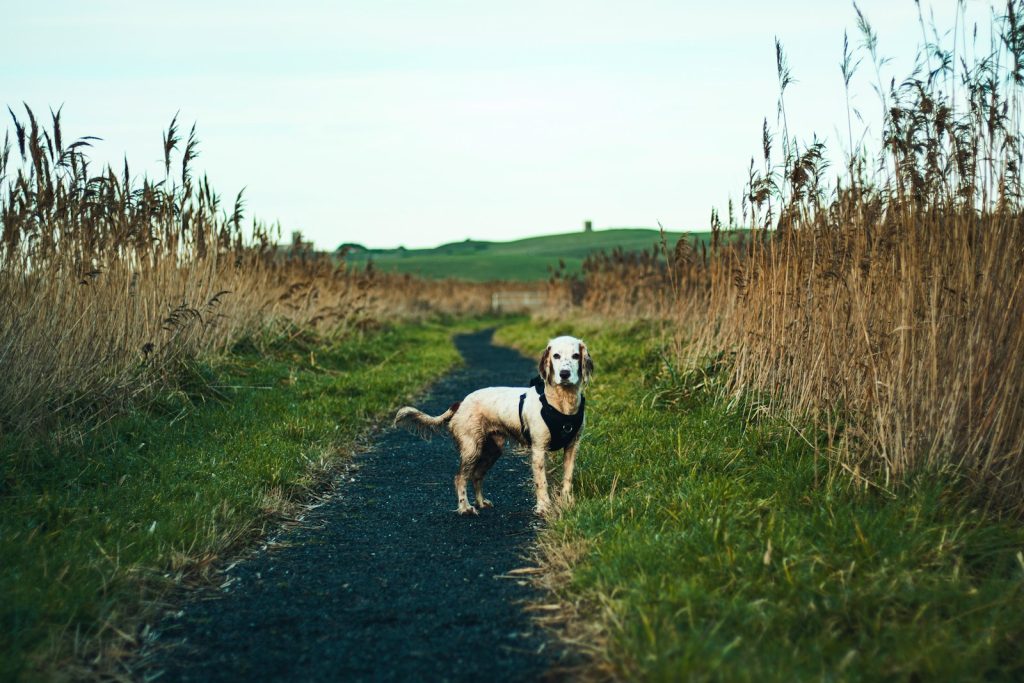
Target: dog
x: 545, y: 417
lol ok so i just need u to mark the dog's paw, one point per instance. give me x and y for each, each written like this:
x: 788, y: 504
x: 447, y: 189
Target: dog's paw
x: 485, y: 504
x: 542, y: 510
x: 467, y: 510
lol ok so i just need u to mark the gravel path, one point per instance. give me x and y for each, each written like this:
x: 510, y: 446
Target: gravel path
x: 384, y: 581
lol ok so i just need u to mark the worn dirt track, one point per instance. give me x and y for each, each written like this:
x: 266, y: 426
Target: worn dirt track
x: 384, y: 581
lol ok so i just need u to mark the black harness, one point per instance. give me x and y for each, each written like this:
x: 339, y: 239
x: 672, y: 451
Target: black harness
x: 563, y: 428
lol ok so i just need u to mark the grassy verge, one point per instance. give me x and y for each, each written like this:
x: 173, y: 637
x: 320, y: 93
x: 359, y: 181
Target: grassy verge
x: 709, y: 545
x: 92, y: 530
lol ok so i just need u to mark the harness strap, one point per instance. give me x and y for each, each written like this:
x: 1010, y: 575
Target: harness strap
x: 522, y: 425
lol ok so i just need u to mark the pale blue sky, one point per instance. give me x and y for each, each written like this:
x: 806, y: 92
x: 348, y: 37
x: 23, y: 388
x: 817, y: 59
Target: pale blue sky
x: 416, y: 123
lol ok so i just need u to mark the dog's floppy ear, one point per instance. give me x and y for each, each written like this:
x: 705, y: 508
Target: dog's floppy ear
x: 586, y: 364
x: 544, y: 365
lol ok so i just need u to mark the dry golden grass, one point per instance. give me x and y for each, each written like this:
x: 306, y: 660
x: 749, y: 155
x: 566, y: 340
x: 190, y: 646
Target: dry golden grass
x: 888, y: 307
x: 112, y: 286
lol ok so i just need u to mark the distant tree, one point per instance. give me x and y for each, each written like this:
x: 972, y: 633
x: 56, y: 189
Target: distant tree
x: 351, y: 247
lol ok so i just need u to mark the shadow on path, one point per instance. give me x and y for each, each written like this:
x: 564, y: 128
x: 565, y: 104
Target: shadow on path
x: 384, y: 581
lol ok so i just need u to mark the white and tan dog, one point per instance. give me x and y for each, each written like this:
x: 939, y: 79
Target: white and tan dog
x: 482, y: 421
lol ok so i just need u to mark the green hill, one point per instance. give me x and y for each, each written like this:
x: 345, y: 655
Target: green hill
x: 524, y: 260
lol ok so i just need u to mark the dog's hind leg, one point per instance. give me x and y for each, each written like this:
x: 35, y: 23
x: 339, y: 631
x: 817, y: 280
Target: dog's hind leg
x: 469, y: 453
x: 490, y: 453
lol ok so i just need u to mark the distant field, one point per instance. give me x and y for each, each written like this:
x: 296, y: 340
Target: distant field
x: 526, y: 259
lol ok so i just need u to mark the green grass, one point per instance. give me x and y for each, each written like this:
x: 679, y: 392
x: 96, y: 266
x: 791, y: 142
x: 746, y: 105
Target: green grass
x: 91, y: 529
x: 522, y: 260
x: 678, y: 497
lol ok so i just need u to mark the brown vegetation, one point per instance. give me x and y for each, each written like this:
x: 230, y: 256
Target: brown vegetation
x: 889, y: 307
x: 113, y: 286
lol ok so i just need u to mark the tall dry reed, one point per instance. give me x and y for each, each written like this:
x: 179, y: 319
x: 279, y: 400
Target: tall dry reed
x: 888, y: 304
x: 113, y: 286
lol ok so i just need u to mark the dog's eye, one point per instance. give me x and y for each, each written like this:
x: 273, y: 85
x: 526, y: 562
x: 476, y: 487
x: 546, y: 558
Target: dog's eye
x: 556, y: 356
x: 576, y: 356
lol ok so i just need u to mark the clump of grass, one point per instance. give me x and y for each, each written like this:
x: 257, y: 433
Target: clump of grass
x: 888, y: 305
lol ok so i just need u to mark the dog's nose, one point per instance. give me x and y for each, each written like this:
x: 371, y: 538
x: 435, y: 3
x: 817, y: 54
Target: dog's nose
x: 564, y: 374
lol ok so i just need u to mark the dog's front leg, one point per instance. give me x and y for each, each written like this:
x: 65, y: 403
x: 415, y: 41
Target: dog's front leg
x: 540, y: 480
x: 568, y: 465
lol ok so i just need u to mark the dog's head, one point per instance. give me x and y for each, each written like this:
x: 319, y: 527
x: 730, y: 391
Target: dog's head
x: 566, y: 362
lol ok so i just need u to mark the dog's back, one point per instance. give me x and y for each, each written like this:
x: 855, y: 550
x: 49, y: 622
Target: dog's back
x: 493, y: 409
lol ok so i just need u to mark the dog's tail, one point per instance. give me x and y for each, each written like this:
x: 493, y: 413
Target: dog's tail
x: 416, y: 420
